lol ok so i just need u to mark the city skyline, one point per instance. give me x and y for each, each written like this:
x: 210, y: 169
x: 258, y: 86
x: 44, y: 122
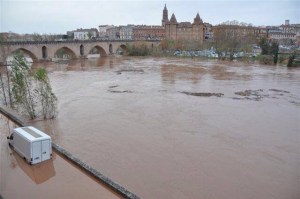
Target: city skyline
x: 57, y: 17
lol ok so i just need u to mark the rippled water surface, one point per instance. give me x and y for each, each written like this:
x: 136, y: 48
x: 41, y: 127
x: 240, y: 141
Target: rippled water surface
x: 152, y: 125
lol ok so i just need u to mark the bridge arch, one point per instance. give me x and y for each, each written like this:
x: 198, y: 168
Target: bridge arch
x: 44, y: 52
x: 111, y: 50
x: 100, y: 49
x: 123, y: 47
x: 81, y: 50
x: 25, y: 51
x: 65, y: 52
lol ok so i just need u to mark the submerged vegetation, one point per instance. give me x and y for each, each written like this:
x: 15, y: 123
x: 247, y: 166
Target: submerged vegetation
x: 26, y: 90
x: 138, y: 49
x: 269, y: 51
x: 45, y: 96
x: 292, y: 61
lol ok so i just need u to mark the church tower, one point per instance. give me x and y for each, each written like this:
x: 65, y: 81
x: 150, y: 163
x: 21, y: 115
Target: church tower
x: 165, y: 16
x: 171, y: 28
x: 197, y: 29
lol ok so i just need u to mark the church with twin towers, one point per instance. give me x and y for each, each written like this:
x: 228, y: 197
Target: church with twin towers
x: 184, y: 31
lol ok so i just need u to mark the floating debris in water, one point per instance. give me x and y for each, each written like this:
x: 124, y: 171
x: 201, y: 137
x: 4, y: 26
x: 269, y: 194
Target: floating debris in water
x: 296, y: 103
x: 119, y: 72
x: 251, y: 94
x: 120, y: 91
x: 279, y: 91
x: 203, y: 94
x: 114, y: 86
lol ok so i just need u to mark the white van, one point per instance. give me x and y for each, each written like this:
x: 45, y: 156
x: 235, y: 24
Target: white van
x: 32, y: 144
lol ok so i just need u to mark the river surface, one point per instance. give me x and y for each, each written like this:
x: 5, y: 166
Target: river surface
x: 182, y: 128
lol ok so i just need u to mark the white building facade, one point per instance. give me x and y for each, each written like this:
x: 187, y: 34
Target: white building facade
x: 85, y: 34
x: 103, y: 30
x: 126, y: 32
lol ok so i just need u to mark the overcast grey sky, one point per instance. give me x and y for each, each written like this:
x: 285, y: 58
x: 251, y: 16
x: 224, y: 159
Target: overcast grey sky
x: 54, y: 16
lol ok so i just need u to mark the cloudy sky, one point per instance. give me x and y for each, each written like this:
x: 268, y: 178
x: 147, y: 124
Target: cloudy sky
x: 54, y: 16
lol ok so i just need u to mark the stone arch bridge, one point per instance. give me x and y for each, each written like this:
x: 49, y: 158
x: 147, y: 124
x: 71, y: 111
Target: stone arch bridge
x: 46, y: 50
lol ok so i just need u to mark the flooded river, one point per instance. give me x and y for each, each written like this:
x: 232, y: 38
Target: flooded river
x: 55, y: 178
x: 182, y: 128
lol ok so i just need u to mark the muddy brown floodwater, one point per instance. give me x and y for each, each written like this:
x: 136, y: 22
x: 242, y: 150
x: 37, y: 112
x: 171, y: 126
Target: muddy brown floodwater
x: 182, y: 128
x: 55, y: 178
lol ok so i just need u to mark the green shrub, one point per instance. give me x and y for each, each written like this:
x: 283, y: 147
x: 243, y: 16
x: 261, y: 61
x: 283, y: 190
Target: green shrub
x: 138, y: 50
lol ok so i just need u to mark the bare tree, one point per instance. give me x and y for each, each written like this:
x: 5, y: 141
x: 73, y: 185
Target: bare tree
x: 22, y: 85
x: 4, y: 72
x: 45, y: 95
x: 3, y: 89
x: 32, y: 90
x: 37, y: 37
x: 230, y: 39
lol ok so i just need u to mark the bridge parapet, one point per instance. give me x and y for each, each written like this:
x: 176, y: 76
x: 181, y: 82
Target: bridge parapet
x: 75, y: 41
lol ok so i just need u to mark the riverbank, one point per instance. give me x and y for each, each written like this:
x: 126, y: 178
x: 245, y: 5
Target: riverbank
x: 283, y: 58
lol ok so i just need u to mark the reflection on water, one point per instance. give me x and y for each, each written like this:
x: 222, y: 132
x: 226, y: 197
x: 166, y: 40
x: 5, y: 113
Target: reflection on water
x: 170, y: 73
x: 38, y: 173
x: 139, y: 128
x: 76, y: 64
x: 222, y: 72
